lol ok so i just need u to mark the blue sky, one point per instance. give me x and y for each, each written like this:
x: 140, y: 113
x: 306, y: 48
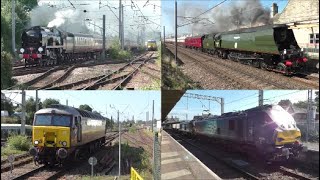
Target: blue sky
x: 235, y: 100
x: 168, y: 10
x: 129, y: 103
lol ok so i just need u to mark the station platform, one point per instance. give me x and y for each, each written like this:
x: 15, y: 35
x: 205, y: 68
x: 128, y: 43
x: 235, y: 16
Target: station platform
x: 178, y: 163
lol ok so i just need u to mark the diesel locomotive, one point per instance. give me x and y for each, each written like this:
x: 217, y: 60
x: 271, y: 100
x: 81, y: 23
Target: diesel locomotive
x: 271, y: 47
x: 152, y: 45
x: 62, y: 132
x: 50, y: 46
x: 268, y: 131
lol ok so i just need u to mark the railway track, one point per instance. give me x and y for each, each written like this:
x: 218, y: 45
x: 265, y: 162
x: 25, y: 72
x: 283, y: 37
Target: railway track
x: 112, y: 80
x: 251, y: 172
x: 20, y: 160
x: 240, y: 75
x: 51, y: 173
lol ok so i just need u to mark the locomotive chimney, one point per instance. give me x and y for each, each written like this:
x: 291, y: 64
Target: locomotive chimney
x: 274, y: 9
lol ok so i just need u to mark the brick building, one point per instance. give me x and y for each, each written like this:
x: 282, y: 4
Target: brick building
x: 303, y: 17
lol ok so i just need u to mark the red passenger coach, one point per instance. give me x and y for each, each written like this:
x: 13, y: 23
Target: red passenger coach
x: 193, y: 42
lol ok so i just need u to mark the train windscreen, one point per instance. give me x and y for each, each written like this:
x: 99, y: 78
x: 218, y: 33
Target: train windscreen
x: 52, y: 120
x: 281, y: 117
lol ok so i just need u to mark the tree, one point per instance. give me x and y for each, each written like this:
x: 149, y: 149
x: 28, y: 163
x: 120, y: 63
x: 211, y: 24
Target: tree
x: 7, y: 106
x: 48, y: 102
x: 85, y: 107
x: 23, y: 7
x: 30, y: 110
x: 6, y: 69
x: 285, y: 103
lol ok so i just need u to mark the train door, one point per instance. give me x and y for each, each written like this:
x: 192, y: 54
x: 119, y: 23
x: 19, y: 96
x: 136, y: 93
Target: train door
x: 250, y: 128
x: 79, y: 127
x: 240, y: 128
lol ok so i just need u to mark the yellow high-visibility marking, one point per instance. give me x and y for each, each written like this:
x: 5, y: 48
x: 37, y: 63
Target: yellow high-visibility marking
x: 134, y: 175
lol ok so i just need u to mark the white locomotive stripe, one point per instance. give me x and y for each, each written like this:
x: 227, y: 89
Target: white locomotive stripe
x: 175, y: 174
x: 169, y: 154
x: 168, y: 161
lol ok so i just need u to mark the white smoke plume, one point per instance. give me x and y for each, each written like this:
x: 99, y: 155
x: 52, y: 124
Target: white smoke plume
x: 225, y: 17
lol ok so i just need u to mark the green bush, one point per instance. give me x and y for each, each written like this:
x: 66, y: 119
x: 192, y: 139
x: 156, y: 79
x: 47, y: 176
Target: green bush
x: 115, y: 51
x: 10, y: 120
x: 19, y: 142
x: 6, y: 70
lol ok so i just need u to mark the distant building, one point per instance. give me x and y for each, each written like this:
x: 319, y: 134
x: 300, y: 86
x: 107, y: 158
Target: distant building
x: 303, y: 18
x: 299, y: 114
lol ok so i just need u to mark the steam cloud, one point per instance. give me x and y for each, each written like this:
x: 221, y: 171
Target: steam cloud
x: 241, y: 13
x: 64, y: 19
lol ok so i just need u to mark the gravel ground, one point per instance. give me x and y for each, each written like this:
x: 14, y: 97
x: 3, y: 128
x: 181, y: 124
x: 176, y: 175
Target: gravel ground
x: 145, y: 76
x: 50, y: 78
x: 238, y: 75
x: 18, y: 171
x: 26, y: 78
x: 82, y: 73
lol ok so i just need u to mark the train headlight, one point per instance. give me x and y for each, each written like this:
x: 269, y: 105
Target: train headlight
x: 301, y: 49
x: 40, y: 49
x: 285, y: 51
x: 64, y: 143
x: 36, y: 142
x: 22, y: 50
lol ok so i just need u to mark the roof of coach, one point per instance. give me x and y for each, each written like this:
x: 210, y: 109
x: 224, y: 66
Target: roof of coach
x: 253, y: 29
x: 77, y: 111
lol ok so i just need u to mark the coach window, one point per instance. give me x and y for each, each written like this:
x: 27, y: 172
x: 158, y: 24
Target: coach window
x: 231, y: 125
x: 314, y: 38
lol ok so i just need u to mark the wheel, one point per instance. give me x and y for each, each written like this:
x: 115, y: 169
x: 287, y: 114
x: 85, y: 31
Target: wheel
x: 263, y: 65
x: 283, y: 68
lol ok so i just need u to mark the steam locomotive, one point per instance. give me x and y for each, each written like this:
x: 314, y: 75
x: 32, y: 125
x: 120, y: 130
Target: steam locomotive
x: 62, y: 132
x: 268, y: 131
x: 49, y: 46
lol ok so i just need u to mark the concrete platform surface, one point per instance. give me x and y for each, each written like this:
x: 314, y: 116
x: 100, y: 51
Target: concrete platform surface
x: 178, y: 163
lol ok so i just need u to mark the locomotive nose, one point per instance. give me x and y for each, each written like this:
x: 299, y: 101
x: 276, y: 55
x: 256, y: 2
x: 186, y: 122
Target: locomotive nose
x: 62, y: 153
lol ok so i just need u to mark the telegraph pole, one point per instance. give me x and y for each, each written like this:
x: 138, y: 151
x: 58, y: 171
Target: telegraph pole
x: 122, y: 27
x: 23, y: 118
x: 120, y: 34
x: 147, y: 117
x: 14, y: 27
x: 152, y: 114
x: 164, y: 34
x: 175, y: 29
x: 119, y: 145
x: 260, y: 97
x: 66, y: 102
x: 309, y: 109
x: 222, y: 106
x: 37, y: 101
x: 103, y: 37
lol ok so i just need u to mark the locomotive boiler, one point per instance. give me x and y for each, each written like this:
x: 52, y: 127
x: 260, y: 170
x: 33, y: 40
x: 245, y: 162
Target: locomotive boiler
x: 272, y: 47
x: 49, y: 46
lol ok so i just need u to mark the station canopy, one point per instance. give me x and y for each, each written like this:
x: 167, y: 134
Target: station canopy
x: 169, y: 99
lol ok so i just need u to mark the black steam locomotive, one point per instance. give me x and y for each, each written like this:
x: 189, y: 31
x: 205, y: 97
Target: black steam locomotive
x: 49, y: 46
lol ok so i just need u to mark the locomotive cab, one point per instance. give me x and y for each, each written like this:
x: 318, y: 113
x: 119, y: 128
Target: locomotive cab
x: 279, y: 133
x: 51, y: 135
